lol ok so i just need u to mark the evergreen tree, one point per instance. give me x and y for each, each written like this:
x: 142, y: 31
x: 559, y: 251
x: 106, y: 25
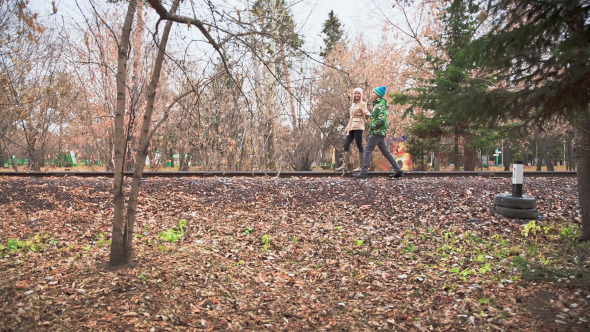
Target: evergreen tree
x: 424, y: 136
x: 453, y: 80
x: 276, y: 21
x: 332, y: 28
x: 538, y: 50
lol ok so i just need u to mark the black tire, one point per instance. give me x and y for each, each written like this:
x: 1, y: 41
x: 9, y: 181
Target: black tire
x: 517, y: 213
x: 506, y: 200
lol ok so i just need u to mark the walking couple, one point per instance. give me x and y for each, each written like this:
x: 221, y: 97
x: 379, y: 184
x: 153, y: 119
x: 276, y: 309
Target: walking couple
x: 378, y: 125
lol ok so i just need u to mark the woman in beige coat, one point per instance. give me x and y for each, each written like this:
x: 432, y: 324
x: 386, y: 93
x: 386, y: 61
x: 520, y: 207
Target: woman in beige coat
x: 354, y: 130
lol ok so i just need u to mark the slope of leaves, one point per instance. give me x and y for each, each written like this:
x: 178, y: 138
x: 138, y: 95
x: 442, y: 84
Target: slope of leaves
x: 293, y: 254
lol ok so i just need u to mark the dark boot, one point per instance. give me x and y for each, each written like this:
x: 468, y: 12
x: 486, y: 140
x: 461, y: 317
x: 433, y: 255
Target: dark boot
x: 360, y: 175
x: 397, y: 174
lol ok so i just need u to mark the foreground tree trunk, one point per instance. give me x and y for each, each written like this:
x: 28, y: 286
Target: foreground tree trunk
x: 135, y: 93
x: 142, y: 151
x: 144, y: 136
x: 119, y: 255
x: 582, y: 147
x: 121, y: 248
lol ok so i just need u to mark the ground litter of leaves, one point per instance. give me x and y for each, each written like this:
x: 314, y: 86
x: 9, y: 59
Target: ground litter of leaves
x: 293, y: 254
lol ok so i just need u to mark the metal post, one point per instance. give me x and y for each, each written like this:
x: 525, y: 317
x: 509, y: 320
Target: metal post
x: 502, y: 153
x: 564, y: 155
x: 517, y: 177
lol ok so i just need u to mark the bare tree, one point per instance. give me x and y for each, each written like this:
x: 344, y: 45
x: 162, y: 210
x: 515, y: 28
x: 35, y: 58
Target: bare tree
x: 121, y: 251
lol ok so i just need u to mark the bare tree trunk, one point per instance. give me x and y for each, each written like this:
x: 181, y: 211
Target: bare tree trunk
x: 109, y: 162
x: 582, y: 146
x: 571, y: 156
x: 436, y: 162
x: 142, y: 148
x: 33, y: 154
x: 152, y: 156
x: 545, y: 154
x: 539, y: 164
x: 135, y: 93
x: 524, y: 155
x: 130, y: 159
x: 507, y: 155
x: 270, y: 144
x: 537, y: 148
x: 470, y: 158
x: 288, y: 82
x: 34, y: 163
x: 119, y: 255
x: 242, y: 152
x: 171, y: 156
x: 456, y: 150
x: 182, y: 161
x: 13, y: 162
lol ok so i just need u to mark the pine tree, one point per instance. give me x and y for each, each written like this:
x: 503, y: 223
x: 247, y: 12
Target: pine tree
x: 276, y: 20
x: 332, y: 28
x: 539, y: 52
x: 453, y: 79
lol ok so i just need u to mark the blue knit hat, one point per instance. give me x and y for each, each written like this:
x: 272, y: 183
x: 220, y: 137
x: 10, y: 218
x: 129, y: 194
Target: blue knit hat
x: 380, y: 91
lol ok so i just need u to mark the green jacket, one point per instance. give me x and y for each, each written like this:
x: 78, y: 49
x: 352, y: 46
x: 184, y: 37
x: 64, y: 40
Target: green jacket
x: 379, y: 123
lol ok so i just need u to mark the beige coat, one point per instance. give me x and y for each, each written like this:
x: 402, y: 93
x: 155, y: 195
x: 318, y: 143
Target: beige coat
x: 358, y: 116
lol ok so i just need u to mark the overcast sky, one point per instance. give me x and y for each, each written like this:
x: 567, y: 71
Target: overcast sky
x: 309, y: 14
x: 355, y: 15
x: 349, y: 12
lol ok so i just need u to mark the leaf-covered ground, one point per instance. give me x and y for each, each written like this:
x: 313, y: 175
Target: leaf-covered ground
x: 293, y: 254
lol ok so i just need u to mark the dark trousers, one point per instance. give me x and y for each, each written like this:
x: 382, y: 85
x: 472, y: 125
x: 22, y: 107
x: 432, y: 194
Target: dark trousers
x: 357, y: 135
x: 376, y: 140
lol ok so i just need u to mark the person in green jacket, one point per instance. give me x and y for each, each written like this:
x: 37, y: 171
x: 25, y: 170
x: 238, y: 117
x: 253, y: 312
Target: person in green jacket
x: 378, y: 126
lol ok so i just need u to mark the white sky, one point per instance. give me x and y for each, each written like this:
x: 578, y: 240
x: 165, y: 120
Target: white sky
x: 353, y: 14
x: 309, y: 15
x: 358, y: 17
